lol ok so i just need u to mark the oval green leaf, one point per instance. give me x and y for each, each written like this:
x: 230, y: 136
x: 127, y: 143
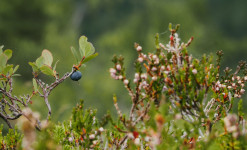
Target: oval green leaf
x: 40, y: 61
x: 7, y: 68
x: 82, y: 43
x: 3, y: 60
x: 8, y: 53
x: 34, y: 66
x: 16, y: 68
x: 75, y: 54
x: 90, y: 57
x: 48, y: 59
x: 89, y: 49
x: 47, y: 70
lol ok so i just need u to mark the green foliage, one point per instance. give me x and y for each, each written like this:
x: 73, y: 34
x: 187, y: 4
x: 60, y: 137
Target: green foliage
x: 44, y: 64
x: 86, y: 51
x: 81, y: 131
x: 12, y: 140
x: 6, y: 70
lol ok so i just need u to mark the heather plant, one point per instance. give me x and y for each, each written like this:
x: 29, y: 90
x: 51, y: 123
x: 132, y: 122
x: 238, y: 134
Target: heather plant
x: 172, y: 85
x: 177, y: 102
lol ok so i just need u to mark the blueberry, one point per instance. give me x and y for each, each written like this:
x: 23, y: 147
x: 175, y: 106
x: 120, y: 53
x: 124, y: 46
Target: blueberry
x: 75, y: 76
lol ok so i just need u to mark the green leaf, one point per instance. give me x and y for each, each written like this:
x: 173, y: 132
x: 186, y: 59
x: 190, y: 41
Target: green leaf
x: 82, y: 44
x: 75, y: 54
x: 16, y: 68
x: 35, y: 86
x: 40, y: 61
x: 47, y: 70
x: 54, y: 68
x: 11, y: 71
x: 16, y: 75
x: 34, y: 66
x: 90, y: 57
x: 86, y: 48
x: 3, y: 60
x: 7, y: 68
x: 89, y: 49
x: 48, y: 59
x: 8, y: 53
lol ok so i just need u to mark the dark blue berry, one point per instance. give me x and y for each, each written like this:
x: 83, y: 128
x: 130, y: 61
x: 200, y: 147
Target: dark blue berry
x: 75, y: 76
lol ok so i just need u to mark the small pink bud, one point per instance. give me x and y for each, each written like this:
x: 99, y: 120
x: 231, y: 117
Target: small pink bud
x: 245, y: 78
x: 126, y: 82
x: 229, y: 87
x: 242, y: 91
x: 91, y: 136
x: 135, y: 80
x: 220, y: 85
x: 162, y: 68
x: 113, y: 75
x: 139, y: 48
x: 168, y: 68
x: 120, y: 77
x: 101, y: 129
x: 118, y: 67
x: 154, y: 78
x: 144, y: 76
x: 154, y: 69
x: 238, y: 77
x: 164, y: 88
x: 194, y: 71
x: 137, y: 141
x: 70, y: 139
x: 112, y: 70
x: 166, y: 72
x: 156, y: 62
x: 94, y: 142
x: 140, y: 59
x: 155, y: 57
x: 137, y: 76
x: 217, y: 89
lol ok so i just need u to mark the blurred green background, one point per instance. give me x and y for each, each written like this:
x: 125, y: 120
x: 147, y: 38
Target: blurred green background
x: 29, y: 26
